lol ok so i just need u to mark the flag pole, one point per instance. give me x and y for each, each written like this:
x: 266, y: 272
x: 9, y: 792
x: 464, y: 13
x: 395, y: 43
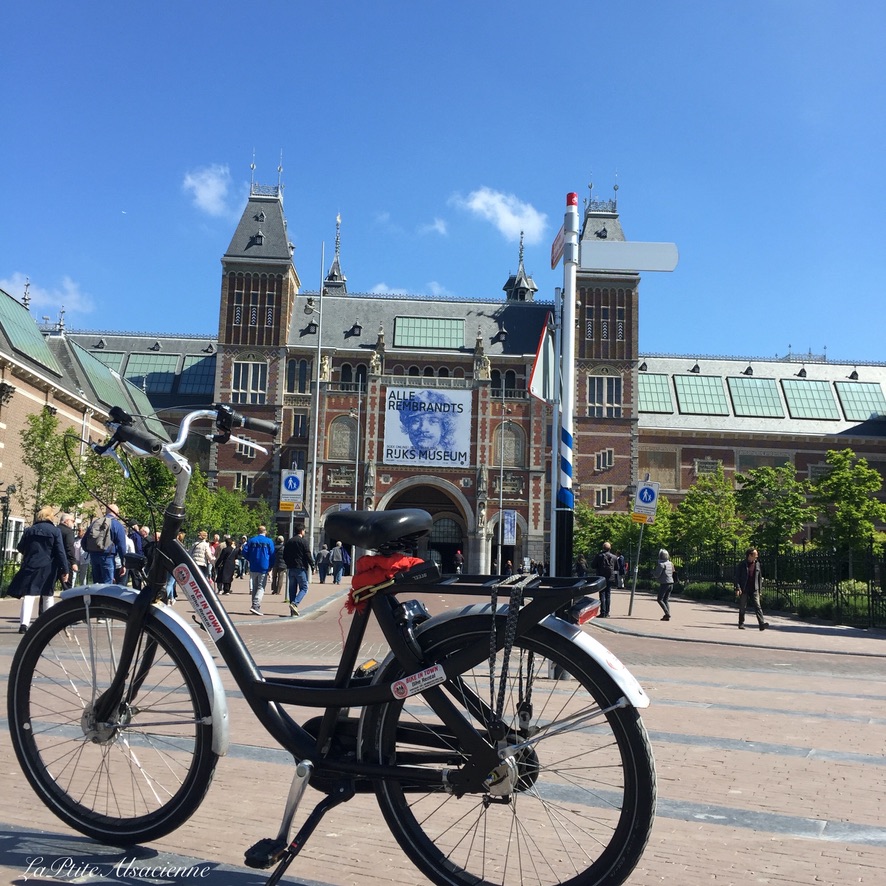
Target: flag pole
x: 565, y: 495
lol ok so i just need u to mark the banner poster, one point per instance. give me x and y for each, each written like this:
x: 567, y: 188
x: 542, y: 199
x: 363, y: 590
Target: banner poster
x: 427, y: 428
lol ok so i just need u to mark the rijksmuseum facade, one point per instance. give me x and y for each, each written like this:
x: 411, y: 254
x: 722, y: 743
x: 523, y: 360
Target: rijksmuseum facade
x: 402, y: 401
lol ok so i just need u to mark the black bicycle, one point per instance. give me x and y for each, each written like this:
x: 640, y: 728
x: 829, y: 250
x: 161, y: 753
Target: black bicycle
x: 503, y: 743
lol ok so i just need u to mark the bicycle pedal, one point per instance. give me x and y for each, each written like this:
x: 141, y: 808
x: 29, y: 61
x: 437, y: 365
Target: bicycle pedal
x: 367, y: 669
x: 266, y: 853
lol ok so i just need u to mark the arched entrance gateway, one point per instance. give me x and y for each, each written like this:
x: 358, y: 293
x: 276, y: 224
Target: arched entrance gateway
x: 452, y: 527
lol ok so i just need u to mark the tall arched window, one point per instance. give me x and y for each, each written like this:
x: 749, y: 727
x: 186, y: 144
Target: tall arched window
x: 297, y: 376
x: 443, y: 372
x: 496, y: 383
x: 346, y: 374
x: 509, y: 444
x: 343, y: 439
x: 446, y: 530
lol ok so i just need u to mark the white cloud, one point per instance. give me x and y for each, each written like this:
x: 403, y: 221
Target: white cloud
x: 50, y: 301
x: 439, y: 291
x: 384, y: 289
x: 507, y: 212
x: 437, y: 226
x: 208, y: 187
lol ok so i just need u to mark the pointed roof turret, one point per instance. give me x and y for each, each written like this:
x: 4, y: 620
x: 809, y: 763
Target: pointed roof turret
x: 261, y: 235
x: 336, y: 283
x: 601, y: 217
x: 520, y: 286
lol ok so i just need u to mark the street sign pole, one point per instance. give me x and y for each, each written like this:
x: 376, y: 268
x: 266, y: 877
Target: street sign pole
x: 636, y: 569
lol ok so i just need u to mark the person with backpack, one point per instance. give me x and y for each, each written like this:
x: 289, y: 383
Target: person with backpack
x: 664, y: 574
x: 606, y: 566
x: 259, y: 553
x: 105, y: 540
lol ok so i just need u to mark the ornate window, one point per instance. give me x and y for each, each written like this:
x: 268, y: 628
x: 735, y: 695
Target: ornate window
x: 343, y: 439
x: 509, y: 446
x: 250, y: 383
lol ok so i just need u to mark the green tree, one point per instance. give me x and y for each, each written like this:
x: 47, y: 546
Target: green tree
x: 774, y: 505
x: 707, y: 515
x: 43, y: 452
x: 847, y: 505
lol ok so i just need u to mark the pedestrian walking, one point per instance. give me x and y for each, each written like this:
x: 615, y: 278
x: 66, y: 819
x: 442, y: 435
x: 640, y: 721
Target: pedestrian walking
x: 278, y: 573
x: 338, y: 559
x: 748, y: 582
x: 226, y: 565
x: 664, y: 575
x: 605, y: 566
x: 106, y: 543
x: 201, y: 553
x: 298, y: 559
x: 621, y: 568
x: 259, y: 554
x: 66, y: 528
x: 323, y: 563
x: 43, y: 562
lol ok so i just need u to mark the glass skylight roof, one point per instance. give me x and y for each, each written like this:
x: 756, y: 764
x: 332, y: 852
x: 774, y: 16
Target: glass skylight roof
x: 106, y: 386
x: 198, y: 375
x: 114, y: 359
x: 701, y: 395
x: 808, y: 398
x: 429, y: 332
x: 654, y: 393
x: 23, y: 334
x: 155, y: 372
x: 755, y: 397
x: 861, y: 400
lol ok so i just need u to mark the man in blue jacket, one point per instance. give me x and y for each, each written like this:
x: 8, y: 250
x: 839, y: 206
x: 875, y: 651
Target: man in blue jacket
x: 259, y: 552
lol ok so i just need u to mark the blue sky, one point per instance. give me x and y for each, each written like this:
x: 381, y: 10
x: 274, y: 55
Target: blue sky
x: 751, y: 134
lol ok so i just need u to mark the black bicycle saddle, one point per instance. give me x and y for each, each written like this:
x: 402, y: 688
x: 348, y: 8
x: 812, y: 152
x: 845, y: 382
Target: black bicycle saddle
x: 376, y: 529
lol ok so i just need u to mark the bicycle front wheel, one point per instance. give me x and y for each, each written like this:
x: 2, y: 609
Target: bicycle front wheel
x: 574, y: 799
x: 142, y: 773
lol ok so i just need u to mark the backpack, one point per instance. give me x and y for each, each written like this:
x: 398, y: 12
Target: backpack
x: 603, y: 564
x: 98, y: 537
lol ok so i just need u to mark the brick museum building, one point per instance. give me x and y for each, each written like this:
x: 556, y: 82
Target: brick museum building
x: 401, y: 401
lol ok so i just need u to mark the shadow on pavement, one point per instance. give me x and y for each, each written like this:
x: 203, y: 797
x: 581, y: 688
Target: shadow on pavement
x: 42, y: 858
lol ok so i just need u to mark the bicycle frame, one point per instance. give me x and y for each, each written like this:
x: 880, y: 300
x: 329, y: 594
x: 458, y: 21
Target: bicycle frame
x: 268, y: 696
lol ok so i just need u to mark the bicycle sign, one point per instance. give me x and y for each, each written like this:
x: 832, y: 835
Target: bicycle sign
x: 646, y: 501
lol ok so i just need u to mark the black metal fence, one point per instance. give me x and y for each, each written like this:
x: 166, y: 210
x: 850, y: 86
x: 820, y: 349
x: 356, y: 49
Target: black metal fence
x: 844, y: 587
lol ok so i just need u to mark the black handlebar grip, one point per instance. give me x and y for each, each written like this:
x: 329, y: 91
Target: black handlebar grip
x: 145, y: 441
x: 261, y: 425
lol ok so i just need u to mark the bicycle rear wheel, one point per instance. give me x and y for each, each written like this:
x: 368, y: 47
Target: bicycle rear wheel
x: 143, y: 773
x: 575, y: 803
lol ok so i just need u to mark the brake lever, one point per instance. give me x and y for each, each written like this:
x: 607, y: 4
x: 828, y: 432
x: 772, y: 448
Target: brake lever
x: 108, y: 450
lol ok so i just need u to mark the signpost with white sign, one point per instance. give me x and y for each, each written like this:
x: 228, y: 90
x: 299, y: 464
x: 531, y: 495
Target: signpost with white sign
x: 292, y: 493
x: 645, y: 505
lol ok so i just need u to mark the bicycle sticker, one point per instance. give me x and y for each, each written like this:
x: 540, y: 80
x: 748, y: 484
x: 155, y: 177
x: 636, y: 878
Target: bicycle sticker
x: 415, y: 683
x: 186, y: 581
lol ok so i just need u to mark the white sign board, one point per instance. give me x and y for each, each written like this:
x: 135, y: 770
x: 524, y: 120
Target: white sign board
x: 427, y: 427
x: 646, y: 499
x: 618, y: 255
x: 292, y: 486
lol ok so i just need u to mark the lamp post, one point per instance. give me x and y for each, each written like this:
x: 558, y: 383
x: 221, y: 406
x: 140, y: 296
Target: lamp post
x: 501, y: 479
x: 310, y: 308
x: 355, y: 413
x: 4, y: 529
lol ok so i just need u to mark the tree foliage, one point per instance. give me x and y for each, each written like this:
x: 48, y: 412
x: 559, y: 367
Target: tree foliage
x: 774, y: 506
x: 846, y: 502
x: 707, y: 515
x: 51, y: 482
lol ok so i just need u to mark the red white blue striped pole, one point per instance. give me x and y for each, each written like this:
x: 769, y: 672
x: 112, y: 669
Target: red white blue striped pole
x: 565, y: 497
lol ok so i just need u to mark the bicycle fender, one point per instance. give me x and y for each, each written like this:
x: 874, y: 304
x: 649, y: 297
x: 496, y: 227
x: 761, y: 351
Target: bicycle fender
x: 607, y: 660
x: 194, y: 647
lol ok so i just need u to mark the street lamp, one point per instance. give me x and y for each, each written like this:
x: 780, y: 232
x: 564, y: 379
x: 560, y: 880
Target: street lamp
x: 311, y: 307
x: 501, y: 482
x: 355, y: 413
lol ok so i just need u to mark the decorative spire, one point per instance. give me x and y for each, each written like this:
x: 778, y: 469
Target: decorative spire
x: 338, y: 235
x: 336, y: 281
x: 26, y: 298
x: 61, y: 319
x: 521, y: 249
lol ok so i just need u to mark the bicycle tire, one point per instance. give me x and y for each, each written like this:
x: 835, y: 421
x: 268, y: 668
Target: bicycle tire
x: 582, y: 822
x: 131, y: 782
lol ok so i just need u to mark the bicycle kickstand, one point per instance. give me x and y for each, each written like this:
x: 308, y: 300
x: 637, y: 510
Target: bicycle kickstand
x: 278, y: 850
